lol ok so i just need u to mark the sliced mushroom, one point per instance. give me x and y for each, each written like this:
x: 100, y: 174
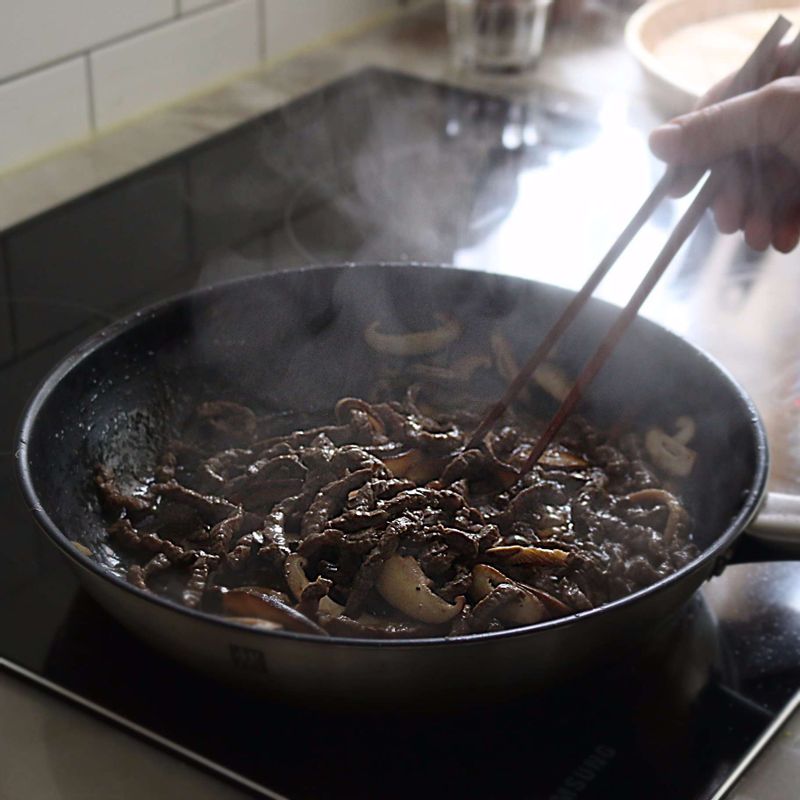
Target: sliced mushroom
x: 484, y: 579
x: 417, y: 343
x: 527, y: 609
x: 330, y: 607
x: 554, y: 606
x: 251, y: 602
x: 668, y: 453
x: 294, y: 571
x: 561, y: 458
x: 532, y: 556
x: 415, y: 465
x: 404, y: 585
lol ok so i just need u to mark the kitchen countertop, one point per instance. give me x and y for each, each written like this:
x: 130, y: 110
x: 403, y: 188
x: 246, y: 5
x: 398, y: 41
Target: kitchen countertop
x: 51, y: 749
x: 54, y: 750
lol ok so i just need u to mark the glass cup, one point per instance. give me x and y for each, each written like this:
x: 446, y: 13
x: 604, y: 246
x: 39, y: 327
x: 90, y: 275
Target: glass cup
x: 497, y: 35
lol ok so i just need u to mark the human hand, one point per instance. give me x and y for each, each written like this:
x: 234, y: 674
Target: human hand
x: 755, y: 139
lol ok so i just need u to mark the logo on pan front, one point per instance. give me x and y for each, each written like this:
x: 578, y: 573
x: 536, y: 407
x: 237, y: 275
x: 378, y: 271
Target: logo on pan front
x: 578, y: 781
x: 247, y: 659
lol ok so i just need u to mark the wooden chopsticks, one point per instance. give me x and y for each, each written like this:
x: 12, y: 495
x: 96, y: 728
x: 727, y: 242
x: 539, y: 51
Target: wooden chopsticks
x: 757, y: 70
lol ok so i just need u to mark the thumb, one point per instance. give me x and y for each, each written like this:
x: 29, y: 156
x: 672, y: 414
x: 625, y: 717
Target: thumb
x: 713, y: 132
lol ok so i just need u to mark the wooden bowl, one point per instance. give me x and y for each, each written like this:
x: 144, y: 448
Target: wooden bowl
x: 686, y: 46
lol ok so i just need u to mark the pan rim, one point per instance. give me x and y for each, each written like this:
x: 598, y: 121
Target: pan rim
x: 85, y: 349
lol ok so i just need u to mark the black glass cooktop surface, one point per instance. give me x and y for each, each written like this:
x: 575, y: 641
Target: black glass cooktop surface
x: 375, y: 167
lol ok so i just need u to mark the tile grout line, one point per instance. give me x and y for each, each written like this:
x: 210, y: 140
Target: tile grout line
x: 28, y: 73
x: 90, y: 93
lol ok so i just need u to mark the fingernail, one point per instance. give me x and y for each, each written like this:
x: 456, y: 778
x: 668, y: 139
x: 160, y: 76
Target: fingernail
x: 665, y: 141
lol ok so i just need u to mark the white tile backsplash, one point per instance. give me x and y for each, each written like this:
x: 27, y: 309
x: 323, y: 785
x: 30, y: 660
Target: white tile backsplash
x: 292, y: 24
x: 43, y: 110
x: 36, y: 32
x: 172, y: 61
x: 72, y: 67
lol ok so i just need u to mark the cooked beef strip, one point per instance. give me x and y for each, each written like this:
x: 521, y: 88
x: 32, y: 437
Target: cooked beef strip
x: 112, y: 498
x: 482, y: 615
x: 311, y: 595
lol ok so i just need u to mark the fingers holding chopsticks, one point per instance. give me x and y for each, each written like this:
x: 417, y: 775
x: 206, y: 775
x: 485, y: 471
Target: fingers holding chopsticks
x: 755, y: 138
x: 768, y: 117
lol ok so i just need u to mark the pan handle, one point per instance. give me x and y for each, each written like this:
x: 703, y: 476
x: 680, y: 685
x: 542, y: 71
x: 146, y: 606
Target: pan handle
x: 778, y: 520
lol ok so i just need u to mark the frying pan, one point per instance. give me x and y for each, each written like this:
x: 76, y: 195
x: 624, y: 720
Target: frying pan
x: 294, y: 340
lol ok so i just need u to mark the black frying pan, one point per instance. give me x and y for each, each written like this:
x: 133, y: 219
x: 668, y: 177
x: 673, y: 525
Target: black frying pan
x: 295, y: 340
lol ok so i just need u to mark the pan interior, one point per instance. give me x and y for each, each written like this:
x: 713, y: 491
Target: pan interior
x: 294, y: 341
